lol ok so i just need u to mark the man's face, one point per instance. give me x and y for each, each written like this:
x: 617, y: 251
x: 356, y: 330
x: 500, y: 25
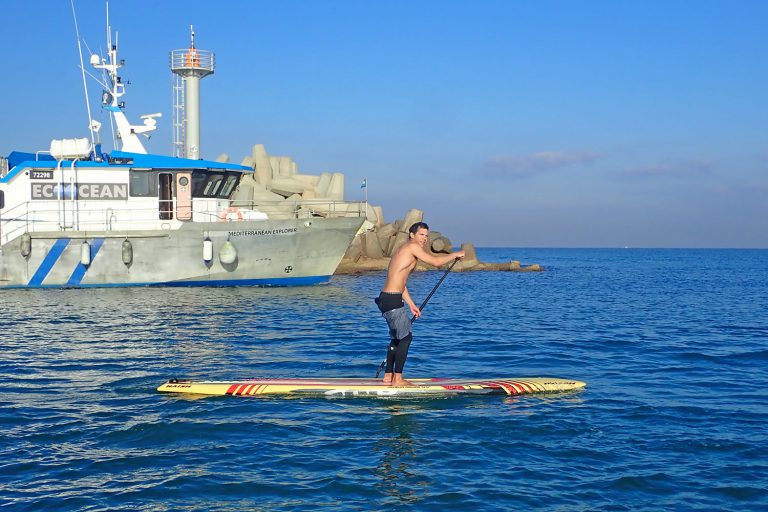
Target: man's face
x: 421, y: 236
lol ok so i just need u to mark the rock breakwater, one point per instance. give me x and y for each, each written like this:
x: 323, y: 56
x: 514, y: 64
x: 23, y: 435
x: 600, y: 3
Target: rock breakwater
x: 279, y: 190
x: 373, y: 246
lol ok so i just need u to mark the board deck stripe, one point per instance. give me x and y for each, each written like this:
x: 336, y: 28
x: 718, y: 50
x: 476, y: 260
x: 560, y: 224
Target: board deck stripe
x: 369, y: 387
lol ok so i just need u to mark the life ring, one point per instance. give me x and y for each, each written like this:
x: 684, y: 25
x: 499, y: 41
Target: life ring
x: 231, y: 213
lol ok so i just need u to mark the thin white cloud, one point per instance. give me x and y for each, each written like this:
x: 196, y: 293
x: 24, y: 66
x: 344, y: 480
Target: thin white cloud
x: 521, y: 166
x: 686, y: 168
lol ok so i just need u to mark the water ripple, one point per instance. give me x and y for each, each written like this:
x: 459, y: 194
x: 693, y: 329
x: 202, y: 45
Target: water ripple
x: 672, y: 343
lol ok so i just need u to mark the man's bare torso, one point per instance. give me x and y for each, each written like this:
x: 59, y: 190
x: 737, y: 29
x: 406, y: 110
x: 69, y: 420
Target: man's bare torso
x: 400, y: 267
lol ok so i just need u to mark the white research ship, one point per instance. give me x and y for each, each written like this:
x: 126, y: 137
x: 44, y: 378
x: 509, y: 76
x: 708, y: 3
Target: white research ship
x: 74, y: 217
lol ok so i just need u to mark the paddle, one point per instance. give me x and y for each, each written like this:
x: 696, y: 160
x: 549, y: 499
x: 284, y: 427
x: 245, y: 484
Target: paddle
x: 421, y: 308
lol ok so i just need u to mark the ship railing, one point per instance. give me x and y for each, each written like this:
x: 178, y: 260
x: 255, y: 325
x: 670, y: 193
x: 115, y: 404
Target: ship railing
x: 49, y: 216
x: 32, y: 216
x: 192, y: 59
x: 304, y: 209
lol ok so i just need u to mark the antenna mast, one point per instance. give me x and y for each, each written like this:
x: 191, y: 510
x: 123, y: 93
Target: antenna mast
x: 127, y: 132
x: 85, y: 84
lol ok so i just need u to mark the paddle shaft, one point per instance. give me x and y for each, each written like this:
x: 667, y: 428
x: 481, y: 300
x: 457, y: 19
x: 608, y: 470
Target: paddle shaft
x: 421, y: 308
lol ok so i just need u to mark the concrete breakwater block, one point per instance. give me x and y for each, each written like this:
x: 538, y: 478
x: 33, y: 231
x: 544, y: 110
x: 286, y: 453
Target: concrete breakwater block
x: 322, y: 184
x: 396, y: 241
x: 287, y: 186
x: 282, y: 166
x: 392, y: 235
x: 379, y: 216
x: 274, y: 163
x: 372, y: 246
x: 412, y: 217
x: 438, y: 243
x: 335, y: 190
x: 308, y: 180
x: 266, y: 195
x: 355, y: 250
x: 384, y: 233
x: 371, y: 215
x: 470, y: 256
x: 243, y: 196
x: 276, y: 178
x: 262, y: 165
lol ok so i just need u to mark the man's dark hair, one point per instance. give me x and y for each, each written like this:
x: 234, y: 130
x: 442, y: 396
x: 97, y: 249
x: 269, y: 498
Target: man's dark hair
x: 417, y: 226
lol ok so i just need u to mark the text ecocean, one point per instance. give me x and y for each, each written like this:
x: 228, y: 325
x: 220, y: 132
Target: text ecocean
x: 101, y: 191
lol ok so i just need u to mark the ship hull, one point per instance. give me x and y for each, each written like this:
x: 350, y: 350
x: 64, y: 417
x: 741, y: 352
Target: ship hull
x: 292, y: 252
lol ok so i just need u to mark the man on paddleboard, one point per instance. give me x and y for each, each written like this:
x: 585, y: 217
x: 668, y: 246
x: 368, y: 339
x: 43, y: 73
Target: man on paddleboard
x: 392, y: 297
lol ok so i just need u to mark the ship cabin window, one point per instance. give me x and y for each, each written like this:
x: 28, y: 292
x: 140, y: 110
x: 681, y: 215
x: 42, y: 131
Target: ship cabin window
x: 143, y: 183
x: 219, y: 185
x: 229, y: 185
x: 212, y: 185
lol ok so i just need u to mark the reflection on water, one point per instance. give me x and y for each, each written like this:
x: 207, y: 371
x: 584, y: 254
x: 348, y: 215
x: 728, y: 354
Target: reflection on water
x: 397, y: 450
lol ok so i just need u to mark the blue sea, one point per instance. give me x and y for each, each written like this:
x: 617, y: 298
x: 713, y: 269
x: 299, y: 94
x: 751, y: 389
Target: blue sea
x: 673, y: 345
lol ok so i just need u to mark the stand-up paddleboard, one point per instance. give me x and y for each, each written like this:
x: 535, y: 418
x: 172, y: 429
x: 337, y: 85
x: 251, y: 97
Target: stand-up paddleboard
x: 370, y: 387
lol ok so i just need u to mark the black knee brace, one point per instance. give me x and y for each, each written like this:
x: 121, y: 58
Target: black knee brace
x: 400, y: 353
x: 397, y: 354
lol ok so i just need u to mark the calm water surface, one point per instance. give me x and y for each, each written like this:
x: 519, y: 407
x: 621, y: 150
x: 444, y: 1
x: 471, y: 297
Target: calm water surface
x: 673, y: 344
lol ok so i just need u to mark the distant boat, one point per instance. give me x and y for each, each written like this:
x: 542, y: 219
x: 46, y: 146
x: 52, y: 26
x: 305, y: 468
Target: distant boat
x: 76, y: 217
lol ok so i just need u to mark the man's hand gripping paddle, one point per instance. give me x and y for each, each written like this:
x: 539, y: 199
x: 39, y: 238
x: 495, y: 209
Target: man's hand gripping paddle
x: 421, y: 308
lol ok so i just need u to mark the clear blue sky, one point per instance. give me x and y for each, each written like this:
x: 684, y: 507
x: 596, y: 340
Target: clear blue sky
x: 510, y: 123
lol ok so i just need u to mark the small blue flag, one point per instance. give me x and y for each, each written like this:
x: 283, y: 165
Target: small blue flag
x: 364, y: 184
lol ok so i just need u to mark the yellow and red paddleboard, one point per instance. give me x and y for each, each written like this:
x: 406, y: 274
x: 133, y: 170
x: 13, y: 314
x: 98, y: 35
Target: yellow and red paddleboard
x: 371, y: 387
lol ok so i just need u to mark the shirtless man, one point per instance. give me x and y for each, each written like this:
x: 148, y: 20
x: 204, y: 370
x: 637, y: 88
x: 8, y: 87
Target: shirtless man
x: 390, y: 300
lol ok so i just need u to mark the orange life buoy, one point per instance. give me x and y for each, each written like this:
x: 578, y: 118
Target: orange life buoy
x: 231, y: 213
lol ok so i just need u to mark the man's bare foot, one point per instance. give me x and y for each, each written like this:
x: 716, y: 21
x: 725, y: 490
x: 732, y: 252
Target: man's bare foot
x: 387, y: 378
x: 399, y: 381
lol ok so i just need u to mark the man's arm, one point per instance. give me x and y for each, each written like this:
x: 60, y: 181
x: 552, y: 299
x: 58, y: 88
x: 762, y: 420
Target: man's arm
x: 415, y: 311
x: 435, y: 261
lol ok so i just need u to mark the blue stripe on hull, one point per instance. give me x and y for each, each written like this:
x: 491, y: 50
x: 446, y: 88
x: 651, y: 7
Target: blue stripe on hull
x: 80, y: 269
x: 48, y: 262
x: 280, y: 281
